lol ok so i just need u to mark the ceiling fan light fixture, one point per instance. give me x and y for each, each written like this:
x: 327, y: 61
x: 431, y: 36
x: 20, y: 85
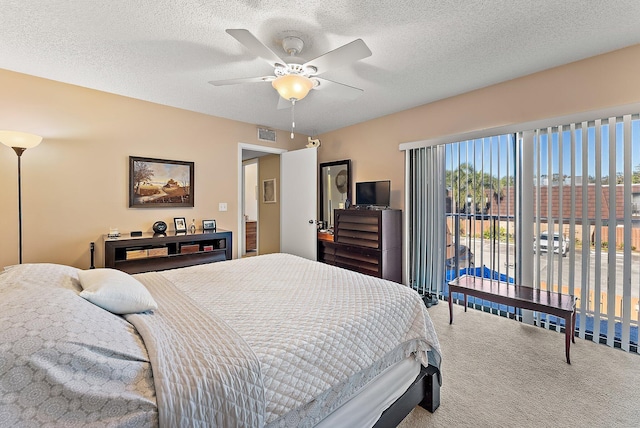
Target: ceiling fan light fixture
x: 292, y: 86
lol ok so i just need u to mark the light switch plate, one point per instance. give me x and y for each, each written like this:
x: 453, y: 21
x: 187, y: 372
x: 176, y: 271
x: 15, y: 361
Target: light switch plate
x: 222, y: 206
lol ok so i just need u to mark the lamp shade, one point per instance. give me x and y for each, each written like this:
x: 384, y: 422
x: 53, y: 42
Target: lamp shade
x: 18, y: 139
x: 292, y: 86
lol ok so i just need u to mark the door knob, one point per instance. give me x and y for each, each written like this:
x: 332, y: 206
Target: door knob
x: 311, y: 221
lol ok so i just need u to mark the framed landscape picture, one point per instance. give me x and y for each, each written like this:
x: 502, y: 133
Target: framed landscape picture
x: 156, y: 183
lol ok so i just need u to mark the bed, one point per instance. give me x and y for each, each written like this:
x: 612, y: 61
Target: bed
x: 273, y: 340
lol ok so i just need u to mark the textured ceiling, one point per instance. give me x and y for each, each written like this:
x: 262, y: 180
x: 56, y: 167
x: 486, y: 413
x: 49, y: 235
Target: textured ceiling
x: 165, y: 51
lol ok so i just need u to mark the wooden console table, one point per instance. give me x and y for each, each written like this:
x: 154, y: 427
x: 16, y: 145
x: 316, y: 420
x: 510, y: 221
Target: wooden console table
x: 151, y: 252
x: 548, y: 302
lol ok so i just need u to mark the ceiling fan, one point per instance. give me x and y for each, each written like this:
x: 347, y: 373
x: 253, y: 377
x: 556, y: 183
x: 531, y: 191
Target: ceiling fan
x: 292, y: 78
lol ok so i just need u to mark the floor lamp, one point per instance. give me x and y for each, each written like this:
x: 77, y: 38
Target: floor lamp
x: 19, y: 142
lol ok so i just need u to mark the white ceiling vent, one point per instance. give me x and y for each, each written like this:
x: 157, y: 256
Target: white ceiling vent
x: 265, y: 134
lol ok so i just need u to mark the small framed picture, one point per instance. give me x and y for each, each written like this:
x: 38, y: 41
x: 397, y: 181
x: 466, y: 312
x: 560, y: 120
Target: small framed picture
x: 269, y: 191
x: 180, y: 224
x: 209, y: 225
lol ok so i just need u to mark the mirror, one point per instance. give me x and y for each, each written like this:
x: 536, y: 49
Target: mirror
x: 335, y: 189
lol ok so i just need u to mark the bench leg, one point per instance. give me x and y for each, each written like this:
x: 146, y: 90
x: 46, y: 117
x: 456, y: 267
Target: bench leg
x: 568, y: 322
x: 573, y: 326
x: 450, y: 307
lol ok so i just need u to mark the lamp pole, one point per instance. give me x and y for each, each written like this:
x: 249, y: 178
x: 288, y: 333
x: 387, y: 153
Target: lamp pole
x: 19, y: 142
x: 19, y: 151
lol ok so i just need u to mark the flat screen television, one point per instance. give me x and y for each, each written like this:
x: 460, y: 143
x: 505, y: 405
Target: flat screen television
x: 376, y: 193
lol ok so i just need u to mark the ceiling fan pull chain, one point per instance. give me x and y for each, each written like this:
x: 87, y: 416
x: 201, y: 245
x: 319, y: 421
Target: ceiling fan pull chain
x: 293, y: 118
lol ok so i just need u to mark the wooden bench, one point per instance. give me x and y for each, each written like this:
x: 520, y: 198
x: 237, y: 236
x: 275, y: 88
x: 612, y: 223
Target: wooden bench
x: 560, y: 305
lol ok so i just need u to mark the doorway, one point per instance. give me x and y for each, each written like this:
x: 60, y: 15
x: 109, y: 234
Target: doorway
x: 248, y: 188
x: 294, y: 175
x: 250, y: 207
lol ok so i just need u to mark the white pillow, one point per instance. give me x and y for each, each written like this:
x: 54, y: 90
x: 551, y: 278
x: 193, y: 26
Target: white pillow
x: 115, y: 291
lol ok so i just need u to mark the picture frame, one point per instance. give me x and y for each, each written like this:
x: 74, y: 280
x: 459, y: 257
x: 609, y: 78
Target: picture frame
x: 158, y: 183
x: 209, y: 225
x: 180, y: 224
x: 269, y: 191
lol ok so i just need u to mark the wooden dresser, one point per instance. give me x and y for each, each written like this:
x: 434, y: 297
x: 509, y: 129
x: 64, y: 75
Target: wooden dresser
x: 251, y: 230
x: 366, y: 241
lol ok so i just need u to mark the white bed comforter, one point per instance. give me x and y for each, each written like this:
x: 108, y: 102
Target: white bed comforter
x: 319, y: 332
x: 273, y: 340
x: 205, y: 375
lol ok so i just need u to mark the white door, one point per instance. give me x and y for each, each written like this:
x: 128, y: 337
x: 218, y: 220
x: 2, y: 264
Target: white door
x: 298, y: 206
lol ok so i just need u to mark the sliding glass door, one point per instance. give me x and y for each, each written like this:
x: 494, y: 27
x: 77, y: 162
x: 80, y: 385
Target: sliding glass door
x: 586, y: 226
x: 555, y: 208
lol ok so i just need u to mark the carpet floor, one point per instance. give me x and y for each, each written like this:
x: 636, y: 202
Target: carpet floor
x: 499, y: 372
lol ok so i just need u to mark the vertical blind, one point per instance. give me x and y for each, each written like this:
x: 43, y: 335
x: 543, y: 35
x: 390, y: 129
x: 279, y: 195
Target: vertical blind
x: 584, y: 176
x: 461, y: 195
x: 586, y: 197
x: 426, y: 205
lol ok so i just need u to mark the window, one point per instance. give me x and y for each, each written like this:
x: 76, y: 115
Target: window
x: 585, y: 178
x: 480, y: 177
x: 462, y: 204
x: 556, y: 207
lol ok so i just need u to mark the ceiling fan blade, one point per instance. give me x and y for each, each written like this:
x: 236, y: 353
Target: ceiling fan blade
x: 255, y: 46
x: 336, y: 89
x: 241, y: 80
x: 346, y: 54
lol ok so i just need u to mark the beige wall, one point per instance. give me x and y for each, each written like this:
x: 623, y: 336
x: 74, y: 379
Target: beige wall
x: 268, y: 214
x: 600, y: 82
x: 75, y: 182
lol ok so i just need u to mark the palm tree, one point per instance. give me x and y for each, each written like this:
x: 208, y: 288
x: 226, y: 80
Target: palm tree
x: 473, y: 190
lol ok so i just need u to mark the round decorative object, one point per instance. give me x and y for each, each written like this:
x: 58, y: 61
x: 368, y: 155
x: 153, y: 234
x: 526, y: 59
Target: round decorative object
x: 341, y: 181
x: 159, y: 227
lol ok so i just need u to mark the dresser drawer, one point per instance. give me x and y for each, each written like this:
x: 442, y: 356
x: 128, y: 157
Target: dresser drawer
x: 364, y: 260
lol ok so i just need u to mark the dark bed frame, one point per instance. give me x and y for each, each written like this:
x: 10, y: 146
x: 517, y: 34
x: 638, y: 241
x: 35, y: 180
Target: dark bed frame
x: 424, y: 391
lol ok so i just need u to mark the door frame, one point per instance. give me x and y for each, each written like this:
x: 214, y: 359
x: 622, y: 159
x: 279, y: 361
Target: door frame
x: 256, y: 148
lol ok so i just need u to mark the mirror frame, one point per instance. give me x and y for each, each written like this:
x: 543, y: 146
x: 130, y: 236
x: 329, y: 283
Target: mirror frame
x: 347, y: 163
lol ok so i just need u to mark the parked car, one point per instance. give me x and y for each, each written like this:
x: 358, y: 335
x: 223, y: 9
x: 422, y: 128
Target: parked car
x: 560, y: 243
x: 466, y: 258
x: 461, y: 252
